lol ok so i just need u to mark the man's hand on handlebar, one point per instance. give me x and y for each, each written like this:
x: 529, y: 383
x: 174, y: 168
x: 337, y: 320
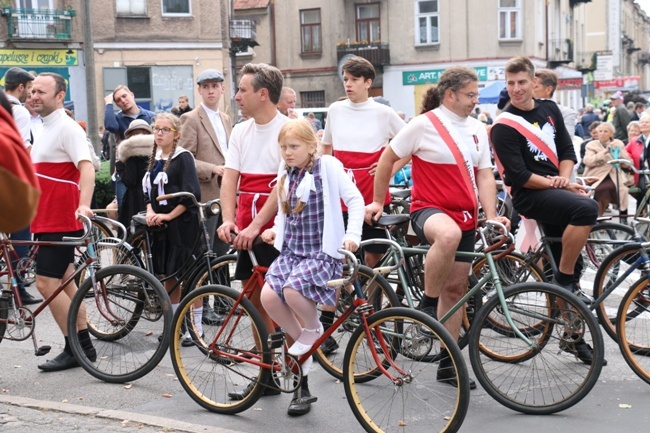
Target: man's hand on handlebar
x: 244, y: 240
x: 85, y: 211
x: 225, y: 229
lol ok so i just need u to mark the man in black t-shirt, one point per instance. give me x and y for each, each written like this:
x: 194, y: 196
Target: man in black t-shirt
x: 542, y: 190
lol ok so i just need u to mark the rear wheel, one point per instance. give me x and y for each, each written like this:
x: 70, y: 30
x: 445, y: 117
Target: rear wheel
x: 378, y: 293
x: 634, y: 329
x: 129, y: 315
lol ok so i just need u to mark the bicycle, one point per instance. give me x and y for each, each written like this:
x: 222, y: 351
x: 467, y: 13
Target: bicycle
x: 119, y: 292
x: 524, y: 338
x: 229, y: 356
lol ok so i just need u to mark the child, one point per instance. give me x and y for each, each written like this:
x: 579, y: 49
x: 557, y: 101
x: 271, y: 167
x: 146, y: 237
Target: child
x: 171, y: 169
x: 308, y: 231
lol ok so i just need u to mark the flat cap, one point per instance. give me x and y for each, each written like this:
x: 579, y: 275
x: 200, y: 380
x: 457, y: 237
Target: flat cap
x: 209, y: 75
x: 15, y: 76
x: 617, y: 95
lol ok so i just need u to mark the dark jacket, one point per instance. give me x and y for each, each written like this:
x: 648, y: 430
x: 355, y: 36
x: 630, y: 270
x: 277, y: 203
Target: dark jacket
x: 134, y: 153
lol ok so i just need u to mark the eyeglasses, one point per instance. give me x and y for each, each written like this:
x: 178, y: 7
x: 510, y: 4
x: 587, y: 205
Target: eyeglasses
x: 164, y: 131
x: 471, y: 96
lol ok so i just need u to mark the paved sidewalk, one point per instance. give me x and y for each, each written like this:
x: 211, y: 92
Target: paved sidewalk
x: 26, y: 415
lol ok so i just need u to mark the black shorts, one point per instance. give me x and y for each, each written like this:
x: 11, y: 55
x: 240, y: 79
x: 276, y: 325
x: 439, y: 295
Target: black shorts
x: 370, y: 232
x: 557, y: 207
x: 264, y: 253
x: 467, y: 239
x: 53, y: 261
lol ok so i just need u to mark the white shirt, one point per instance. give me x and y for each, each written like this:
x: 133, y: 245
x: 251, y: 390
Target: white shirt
x: 22, y: 118
x: 36, y: 126
x: 219, y: 129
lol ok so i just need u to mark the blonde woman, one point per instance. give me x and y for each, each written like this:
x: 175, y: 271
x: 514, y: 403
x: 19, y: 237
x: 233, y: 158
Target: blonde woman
x: 610, y: 187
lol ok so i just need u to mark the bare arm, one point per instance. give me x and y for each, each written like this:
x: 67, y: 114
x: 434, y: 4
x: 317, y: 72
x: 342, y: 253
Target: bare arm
x: 382, y: 178
x: 86, y: 187
x: 228, y: 204
x: 245, y: 238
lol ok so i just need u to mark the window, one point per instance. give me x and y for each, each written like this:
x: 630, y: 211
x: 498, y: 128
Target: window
x: 509, y: 19
x: 310, y: 32
x: 312, y: 99
x: 367, y: 19
x: 131, y: 7
x: 426, y: 22
x: 175, y: 7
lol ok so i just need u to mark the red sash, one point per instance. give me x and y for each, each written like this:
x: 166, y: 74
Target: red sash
x: 460, y: 160
x: 543, y: 147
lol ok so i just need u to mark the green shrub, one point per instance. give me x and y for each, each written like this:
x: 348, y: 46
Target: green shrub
x: 104, y: 189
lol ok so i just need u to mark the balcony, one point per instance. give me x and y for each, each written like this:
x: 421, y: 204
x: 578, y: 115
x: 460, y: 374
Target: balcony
x: 643, y: 57
x: 560, y: 52
x: 39, y: 24
x: 586, y: 61
x: 574, y: 3
x: 376, y: 53
x: 243, y: 34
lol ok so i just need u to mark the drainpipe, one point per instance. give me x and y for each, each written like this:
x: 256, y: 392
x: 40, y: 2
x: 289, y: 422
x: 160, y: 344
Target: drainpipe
x: 272, y: 25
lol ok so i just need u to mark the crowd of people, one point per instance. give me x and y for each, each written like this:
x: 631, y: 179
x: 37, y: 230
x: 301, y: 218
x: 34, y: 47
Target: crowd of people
x: 309, y: 188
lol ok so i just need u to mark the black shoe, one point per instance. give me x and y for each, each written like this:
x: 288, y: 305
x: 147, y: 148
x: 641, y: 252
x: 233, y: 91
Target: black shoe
x: 210, y: 317
x: 582, y: 350
x: 329, y: 346
x: 448, y: 375
x: 63, y: 361
x: 188, y: 342
x: 270, y: 389
x: 429, y: 311
x: 28, y: 299
x: 301, y: 402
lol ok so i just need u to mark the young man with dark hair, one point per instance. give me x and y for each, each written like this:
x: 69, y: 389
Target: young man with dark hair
x: 538, y: 170
x: 357, y: 131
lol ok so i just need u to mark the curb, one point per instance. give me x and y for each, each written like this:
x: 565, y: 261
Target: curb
x: 116, y: 415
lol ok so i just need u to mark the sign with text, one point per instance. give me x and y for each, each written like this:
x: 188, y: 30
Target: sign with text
x: 604, y: 67
x: 27, y: 58
x: 432, y: 76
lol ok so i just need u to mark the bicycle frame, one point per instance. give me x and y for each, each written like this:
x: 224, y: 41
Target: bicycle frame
x: 492, y: 276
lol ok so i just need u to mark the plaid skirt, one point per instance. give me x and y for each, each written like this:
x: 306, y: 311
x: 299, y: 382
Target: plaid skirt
x: 306, y: 275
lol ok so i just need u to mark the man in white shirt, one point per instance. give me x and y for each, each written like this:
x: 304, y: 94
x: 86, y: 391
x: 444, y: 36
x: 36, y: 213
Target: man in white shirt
x: 18, y: 84
x: 206, y: 132
x: 287, y: 103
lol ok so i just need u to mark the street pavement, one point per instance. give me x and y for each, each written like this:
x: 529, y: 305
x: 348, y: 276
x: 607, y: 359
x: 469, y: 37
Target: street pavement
x: 33, y: 401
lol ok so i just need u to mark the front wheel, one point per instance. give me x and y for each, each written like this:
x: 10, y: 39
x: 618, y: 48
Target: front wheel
x: 633, y: 328
x: 129, y: 314
x: 558, y: 368
x: 225, y: 356
x: 406, y: 394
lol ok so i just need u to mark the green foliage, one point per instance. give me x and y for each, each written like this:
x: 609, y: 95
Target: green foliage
x: 104, y: 189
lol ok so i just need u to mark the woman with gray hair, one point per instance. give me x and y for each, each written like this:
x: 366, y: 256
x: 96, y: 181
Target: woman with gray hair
x: 612, y: 182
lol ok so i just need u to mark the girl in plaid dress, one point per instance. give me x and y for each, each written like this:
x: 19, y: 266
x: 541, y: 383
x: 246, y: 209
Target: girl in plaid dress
x: 308, y: 231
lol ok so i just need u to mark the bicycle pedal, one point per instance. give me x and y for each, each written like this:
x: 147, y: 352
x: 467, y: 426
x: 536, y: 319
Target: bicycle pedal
x: 276, y: 340
x: 43, y: 350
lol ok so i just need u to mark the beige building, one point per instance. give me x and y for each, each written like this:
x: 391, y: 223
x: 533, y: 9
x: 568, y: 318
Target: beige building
x: 411, y: 42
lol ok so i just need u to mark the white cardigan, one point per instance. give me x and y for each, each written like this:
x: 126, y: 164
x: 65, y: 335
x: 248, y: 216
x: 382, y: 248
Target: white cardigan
x: 337, y: 186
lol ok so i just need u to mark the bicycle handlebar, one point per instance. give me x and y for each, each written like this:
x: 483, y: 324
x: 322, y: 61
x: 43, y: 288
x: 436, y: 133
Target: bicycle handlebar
x: 395, y: 247
x: 629, y: 165
x: 212, y: 206
x: 506, y: 236
x: 354, y: 263
x: 114, y: 241
x: 87, y: 223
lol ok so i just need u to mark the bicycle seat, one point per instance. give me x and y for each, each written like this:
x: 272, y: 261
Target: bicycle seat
x: 139, y: 220
x: 392, y: 220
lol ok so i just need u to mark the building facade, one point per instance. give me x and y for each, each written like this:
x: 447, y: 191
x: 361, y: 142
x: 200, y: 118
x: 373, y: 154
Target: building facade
x: 411, y: 42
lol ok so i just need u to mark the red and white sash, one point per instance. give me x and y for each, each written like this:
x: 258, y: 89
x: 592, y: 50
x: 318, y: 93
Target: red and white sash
x: 528, y: 236
x: 463, y: 157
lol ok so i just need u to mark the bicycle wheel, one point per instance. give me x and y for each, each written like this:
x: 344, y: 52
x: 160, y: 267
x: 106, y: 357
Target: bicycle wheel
x: 634, y: 330
x: 547, y: 377
x: 617, y: 273
x: 379, y: 294
x: 5, y: 302
x: 207, y: 371
x: 603, y: 239
x: 406, y: 396
x: 512, y: 269
x: 129, y: 314
x: 223, y: 274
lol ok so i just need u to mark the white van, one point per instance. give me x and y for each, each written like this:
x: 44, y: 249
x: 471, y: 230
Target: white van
x: 320, y: 113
